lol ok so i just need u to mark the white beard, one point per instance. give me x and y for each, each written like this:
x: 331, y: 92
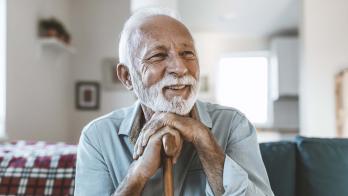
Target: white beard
x: 154, y: 99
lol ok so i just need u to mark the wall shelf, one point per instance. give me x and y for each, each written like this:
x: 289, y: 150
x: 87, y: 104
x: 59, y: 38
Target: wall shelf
x: 55, y: 44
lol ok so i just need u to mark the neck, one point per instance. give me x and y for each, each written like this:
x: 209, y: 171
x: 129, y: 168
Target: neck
x: 147, y: 113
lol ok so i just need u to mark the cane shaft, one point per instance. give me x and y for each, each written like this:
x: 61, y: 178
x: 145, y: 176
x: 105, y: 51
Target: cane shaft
x: 168, y: 177
x: 169, y: 146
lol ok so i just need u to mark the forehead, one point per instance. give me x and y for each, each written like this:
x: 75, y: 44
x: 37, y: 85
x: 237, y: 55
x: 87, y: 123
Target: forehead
x: 163, y: 30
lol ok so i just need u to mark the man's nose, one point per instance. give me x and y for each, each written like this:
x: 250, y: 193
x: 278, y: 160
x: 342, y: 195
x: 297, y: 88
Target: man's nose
x: 177, y: 66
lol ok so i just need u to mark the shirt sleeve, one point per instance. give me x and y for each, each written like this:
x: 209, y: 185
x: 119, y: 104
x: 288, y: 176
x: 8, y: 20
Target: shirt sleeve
x: 92, y: 176
x: 244, y: 172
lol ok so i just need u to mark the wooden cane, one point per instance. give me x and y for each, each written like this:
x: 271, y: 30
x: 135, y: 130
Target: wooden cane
x: 168, y: 153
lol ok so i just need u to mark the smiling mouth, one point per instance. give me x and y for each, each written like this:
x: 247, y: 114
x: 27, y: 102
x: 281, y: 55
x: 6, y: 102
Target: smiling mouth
x: 181, y: 90
x: 175, y: 87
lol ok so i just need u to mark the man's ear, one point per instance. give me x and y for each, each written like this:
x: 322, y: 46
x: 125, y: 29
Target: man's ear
x: 124, y: 76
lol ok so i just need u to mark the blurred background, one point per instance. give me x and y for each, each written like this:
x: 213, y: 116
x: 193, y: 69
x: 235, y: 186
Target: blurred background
x: 281, y: 62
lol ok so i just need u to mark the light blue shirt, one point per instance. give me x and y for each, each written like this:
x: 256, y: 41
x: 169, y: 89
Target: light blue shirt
x: 105, y: 154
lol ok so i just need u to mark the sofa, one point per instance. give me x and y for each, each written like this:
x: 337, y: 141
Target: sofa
x: 307, y: 166
x: 303, y: 167
x: 37, y: 168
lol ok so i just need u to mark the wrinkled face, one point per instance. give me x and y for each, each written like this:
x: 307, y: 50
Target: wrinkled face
x: 165, y: 68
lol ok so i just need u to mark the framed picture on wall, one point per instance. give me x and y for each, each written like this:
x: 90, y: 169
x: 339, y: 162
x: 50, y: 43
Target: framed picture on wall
x: 87, y: 95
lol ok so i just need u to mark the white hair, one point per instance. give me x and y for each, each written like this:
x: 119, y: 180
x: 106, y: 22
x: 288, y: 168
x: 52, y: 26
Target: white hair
x: 129, y: 37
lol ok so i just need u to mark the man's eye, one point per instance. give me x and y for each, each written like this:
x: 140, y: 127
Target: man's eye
x: 188, y: 54
x: 158, y: 57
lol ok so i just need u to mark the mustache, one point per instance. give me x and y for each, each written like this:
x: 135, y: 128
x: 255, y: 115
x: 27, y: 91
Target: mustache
x: 171, y: 80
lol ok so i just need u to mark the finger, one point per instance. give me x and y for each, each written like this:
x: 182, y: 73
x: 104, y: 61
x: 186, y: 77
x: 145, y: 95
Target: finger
x: 147, y: 134
x: 149, y: 124
x: 179, y: 142
x: 152, y: 127
x: 140, y: 150
x: 177, y: 138
x: 157, y: 137
x: 134, y: 152
x: 137, y: 146
x: 182, y: 124
x: 177, y: 154
x: 175, y: 121
x: 149, y: 129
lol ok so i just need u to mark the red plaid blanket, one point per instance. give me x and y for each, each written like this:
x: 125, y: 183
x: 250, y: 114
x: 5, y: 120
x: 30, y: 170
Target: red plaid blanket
x: 37, y: 168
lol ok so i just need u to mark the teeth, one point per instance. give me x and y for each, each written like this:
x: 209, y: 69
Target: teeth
x: 176, y: 87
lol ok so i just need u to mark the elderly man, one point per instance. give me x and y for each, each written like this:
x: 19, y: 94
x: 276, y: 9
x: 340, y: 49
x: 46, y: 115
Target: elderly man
x: 216, y: 149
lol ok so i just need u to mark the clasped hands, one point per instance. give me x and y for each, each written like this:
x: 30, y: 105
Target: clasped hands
x: 147, y: 150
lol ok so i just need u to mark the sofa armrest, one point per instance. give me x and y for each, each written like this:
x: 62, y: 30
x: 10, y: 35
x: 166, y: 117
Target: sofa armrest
x: 280, y: 162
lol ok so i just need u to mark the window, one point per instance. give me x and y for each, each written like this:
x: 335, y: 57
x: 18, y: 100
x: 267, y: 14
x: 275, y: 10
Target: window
x: 243, y: 83
x: 2, y: 66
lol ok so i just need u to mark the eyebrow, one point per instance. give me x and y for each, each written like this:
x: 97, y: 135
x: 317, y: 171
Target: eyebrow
x: 191, y: 44
x: 157, y: 47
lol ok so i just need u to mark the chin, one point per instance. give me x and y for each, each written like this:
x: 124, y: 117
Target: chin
x: 177, y: 105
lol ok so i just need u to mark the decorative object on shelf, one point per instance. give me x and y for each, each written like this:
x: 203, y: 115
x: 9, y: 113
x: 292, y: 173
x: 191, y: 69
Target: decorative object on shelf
x: 54, y: 43
x: 87, y: 95
x: 53, y: 28
x: 110, y: 79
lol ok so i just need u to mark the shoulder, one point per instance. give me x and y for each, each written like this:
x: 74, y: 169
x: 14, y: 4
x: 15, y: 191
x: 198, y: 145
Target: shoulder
x: 229, y: 122
x: 104, y: 123
x: 220, y: 113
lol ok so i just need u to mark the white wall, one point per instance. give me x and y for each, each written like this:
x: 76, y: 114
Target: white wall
x: 324, y: 33
x: 38, y: 86
x: 2, y: 67
x: 96, y: 27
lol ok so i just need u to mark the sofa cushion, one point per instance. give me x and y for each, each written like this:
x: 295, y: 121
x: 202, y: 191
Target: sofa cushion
x: 37, y: 168
x: 322, y: 167
x: 279, y: 159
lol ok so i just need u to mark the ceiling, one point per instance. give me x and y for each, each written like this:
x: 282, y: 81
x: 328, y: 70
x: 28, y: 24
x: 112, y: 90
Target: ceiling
x: 241, y: 17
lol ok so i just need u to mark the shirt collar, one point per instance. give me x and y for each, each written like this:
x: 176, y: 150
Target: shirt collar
x: 203, y: 113
x: 132, y: 119
x: 132, y: 114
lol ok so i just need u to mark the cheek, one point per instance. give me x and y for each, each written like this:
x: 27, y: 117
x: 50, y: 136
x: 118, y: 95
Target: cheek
x: 152, y: 76
x: 194, y: 69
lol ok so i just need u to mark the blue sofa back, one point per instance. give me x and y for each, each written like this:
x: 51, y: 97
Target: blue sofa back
x: 307, y: 166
